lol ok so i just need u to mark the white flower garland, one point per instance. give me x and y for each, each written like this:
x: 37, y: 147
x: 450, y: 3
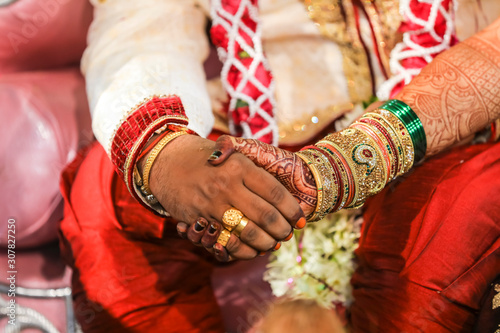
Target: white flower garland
x: 319, y: 261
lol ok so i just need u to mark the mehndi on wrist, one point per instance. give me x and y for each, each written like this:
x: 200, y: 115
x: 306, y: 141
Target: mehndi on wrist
x: 358, y: 162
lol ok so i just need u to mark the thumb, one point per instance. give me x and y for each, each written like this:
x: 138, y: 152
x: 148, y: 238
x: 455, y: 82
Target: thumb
x: 224, y: 147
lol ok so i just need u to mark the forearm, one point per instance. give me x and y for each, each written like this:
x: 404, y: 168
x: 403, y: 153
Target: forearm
x: 458, y: 93
x: 143, y: 68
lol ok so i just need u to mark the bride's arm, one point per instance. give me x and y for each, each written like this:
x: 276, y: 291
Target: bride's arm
x: 453, y: 97
x: 458, y: 93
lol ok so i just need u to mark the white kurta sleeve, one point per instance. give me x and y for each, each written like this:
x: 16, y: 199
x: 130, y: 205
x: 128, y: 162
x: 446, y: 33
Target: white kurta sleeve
x: 140, y: 49
x: 144, y: 71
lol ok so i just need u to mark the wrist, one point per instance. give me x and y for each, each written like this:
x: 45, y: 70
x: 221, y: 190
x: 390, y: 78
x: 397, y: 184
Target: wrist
x: 145, y: 165
x: 358, y: 162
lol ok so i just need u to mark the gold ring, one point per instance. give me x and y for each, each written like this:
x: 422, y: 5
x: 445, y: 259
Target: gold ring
x: 239, y: 228
x: 231, y: 218
x: 224, y: 237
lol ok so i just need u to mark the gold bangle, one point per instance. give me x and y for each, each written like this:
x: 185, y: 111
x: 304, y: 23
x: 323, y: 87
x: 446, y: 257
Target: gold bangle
x: 398, y: 127
x: 366, y: 162
x: 397, y: 160
x: 319, y: 186
x: 149, y: 163
x: 380, y: 145
x: 344, y: 187
x: 329, y: 181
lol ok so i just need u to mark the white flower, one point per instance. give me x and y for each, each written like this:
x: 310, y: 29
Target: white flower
x: 318, y: 263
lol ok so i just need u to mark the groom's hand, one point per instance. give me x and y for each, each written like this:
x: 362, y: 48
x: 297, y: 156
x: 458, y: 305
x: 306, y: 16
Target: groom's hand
x: 285, y: 166
x: 197, y: 193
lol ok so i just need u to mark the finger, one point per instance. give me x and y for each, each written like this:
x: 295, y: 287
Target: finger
x: 221, y: 253
x: 224, y: 147
x: 210, y: 237
x: 182, y: 229
x: 272, y: 191
x: 239, y: 250
x: 197, y: 230
x: 253, y: 235
x: 257, y: 238
x: 262, y: 213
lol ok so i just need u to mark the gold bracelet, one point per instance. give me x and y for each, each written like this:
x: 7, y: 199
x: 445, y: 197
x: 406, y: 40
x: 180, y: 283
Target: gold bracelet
x: 344, y: 180
x: 396, y: 148
x: 366, y: 162
x: 149, y: 163
x: 329, y: 181
x: 319, y: 185
x: 398, y: 127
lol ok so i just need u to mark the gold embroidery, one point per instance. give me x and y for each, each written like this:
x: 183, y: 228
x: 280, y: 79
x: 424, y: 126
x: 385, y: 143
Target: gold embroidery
x: 340, y: 28
x: 385, y: 20
x: 303, y: 129
x: 496, y: 298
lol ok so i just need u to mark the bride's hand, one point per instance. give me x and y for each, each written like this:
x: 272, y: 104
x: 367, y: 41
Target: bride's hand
x: 285, y: 166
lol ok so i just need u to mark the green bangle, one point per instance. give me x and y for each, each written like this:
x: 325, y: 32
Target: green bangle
x: 410, y: 120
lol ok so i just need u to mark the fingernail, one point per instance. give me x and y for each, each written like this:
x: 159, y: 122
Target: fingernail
x: 261, y: 254
x: 212, y: 229
x: 198, y: 226
x: 277, y: 247
x: 288, y: 237
x: 301, y: 223
x: 215, y: 155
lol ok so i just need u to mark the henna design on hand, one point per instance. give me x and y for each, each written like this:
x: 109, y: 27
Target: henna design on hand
x: 284, y: 165
x: 458, y: 93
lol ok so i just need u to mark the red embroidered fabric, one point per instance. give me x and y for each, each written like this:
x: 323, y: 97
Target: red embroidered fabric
x: 142, y: 123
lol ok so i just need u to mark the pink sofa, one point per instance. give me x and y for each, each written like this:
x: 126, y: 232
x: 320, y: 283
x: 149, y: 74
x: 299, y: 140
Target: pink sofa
x: 44, y: 121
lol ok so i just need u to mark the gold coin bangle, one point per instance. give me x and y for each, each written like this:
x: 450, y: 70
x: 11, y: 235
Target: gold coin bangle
x: 151, y: 159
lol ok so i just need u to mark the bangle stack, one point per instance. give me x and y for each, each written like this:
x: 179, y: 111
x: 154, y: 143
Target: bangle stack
x: 358, y: 162
x: 143, y: 183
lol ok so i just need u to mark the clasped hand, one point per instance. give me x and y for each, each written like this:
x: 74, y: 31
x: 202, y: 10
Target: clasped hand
x: 197, y: 191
